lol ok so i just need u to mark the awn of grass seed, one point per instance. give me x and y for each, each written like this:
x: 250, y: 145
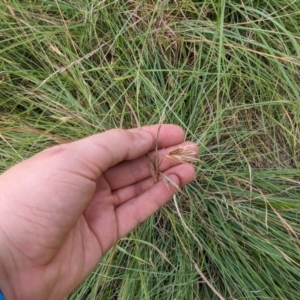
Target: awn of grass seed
x: 154, y: 166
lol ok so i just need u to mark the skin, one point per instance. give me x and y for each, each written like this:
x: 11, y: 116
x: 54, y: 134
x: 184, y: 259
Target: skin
x: 64, y: 208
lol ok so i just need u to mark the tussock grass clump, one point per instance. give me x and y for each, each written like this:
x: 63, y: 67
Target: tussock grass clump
x: 228, y: 72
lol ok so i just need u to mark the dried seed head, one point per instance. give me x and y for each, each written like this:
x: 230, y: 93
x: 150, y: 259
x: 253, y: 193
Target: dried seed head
x: 152, y: 171
x: 182, y: 154
x: 154, y: 167
x: 168, y: 181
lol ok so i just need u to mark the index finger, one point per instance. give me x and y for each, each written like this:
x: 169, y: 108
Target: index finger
x: 99, y: 152
x: 169, y: 134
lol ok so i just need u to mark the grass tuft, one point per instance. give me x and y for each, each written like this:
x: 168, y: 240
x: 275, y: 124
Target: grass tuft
x: 228, y: 73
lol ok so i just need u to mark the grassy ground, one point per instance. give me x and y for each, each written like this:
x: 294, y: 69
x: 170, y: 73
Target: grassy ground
x: 228, y: 72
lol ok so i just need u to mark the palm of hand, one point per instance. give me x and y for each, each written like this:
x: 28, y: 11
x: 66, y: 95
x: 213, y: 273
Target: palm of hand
x: 71, y: 211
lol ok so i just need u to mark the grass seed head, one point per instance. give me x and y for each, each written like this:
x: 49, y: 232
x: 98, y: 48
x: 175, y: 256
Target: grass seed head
x: 182, y: 154
x: 169, y: 182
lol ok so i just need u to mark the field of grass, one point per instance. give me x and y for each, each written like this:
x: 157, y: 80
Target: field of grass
x: 227, y: 71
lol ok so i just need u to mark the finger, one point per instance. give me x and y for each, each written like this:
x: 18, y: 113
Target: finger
x: 134, y: 190
x: 167, y: 134
x: 99, y: 152
x: 133, y: 212
x: 130, y: 172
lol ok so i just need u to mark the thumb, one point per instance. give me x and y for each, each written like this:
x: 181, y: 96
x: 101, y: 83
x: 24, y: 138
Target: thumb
x: 69, y: 171
x: 102, y: 151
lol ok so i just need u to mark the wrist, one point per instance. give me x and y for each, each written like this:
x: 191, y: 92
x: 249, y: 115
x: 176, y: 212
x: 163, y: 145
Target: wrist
x: 6, y: 283
x: 1, y: 296
x: 6, y: 288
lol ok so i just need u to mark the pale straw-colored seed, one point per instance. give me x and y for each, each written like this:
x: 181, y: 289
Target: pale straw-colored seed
x: 182, y: 154
x: 168, y: 181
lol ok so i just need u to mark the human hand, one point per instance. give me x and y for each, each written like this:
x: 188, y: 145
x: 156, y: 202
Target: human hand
x: 64, y: 208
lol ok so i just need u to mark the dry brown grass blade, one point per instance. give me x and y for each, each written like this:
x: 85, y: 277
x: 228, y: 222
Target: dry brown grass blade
x: 205, y: 279
x: 138, y: 124
x: 54, y: 137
